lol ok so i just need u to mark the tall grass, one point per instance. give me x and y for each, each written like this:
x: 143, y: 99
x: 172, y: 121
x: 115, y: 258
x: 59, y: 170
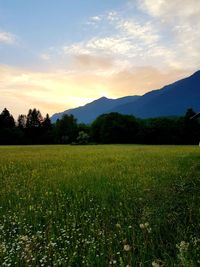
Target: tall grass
x: 116, y: 205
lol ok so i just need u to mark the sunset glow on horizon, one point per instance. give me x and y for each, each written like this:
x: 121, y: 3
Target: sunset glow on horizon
x: 56, y: 55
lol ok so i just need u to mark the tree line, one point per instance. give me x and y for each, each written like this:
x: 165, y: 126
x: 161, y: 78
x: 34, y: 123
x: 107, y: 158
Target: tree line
x: 111, y: 128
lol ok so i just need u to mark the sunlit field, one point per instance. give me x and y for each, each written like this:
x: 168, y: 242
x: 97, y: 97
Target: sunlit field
x: 117, y: 205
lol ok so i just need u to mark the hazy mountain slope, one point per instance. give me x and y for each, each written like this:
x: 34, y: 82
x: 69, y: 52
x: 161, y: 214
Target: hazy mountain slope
x: 173, y: 99
x: 91, y: 111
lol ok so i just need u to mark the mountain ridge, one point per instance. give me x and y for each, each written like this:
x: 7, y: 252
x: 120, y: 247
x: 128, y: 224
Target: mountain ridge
x: 170, y: 100
x: 91, y: 110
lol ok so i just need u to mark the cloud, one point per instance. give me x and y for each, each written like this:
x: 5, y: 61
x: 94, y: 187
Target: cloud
x: 140, y: 80
x: 7, y: 38
x: 52, y: 92
x: 134, y: 51
x: 96, y: 18
x: 49, y: 91
x: 170, y: 10
x: 135, y: 31
x: 179, y: 22
x: 110, y: 45
x: 105, y: 46
x: 127, y: 38
x: 90, y: 61
x: 94, y: 21
x: 154, y: 39
x: 45, y: 56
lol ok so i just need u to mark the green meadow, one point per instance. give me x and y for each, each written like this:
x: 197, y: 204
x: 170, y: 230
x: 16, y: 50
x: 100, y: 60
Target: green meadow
x: 106, y: 205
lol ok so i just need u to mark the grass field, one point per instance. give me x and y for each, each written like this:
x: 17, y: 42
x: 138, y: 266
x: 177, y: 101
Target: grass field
x: 116, y: 205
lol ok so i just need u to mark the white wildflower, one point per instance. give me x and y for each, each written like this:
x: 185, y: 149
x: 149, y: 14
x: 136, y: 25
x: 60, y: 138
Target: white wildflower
x: 145, y: 226
x: 127, y: 247
x: 157, y: 263
x: 183, y: 247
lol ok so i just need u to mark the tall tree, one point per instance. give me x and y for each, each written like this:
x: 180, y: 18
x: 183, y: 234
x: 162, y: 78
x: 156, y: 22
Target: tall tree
x: 6, y: 119
x: 21, y: 121
x: 34, y: 126
x: 34, y: 119
x: 8, y: 133
x: 47, y: 131
x: 66, y: 129
x: 46, y: 124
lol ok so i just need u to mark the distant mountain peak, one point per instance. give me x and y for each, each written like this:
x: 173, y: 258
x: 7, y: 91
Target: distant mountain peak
x: 102, y: 98
x: 171, y: 100
x: 92, y: 110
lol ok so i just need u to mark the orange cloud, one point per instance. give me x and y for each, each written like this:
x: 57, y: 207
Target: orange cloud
x: 56, y: 91
x: 143, y: 79
x: 90, y: 61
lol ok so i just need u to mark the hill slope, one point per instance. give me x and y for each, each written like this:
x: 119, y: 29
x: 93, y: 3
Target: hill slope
x: 92, y: 110
x: 173, y: 99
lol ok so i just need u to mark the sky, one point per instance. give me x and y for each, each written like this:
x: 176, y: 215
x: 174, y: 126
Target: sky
x: 60, y: 54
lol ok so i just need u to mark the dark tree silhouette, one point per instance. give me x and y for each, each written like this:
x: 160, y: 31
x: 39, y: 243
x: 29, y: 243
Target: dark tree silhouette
x: 66, y: 129
x: 8, y: 133
x: 191, y: 128
x: 21, y: 121
x: 107, y: 128
x: 46, y: 124
x: 6, y: 120
x: 34, y: 126
x: 47, y: 131
x: 114, y: 128
x: 34, y: 119
x: 160, y: 131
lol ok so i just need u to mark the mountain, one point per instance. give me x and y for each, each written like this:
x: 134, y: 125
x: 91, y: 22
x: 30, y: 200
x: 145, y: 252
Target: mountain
x: 171, y: 100
x: 91, y: 111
